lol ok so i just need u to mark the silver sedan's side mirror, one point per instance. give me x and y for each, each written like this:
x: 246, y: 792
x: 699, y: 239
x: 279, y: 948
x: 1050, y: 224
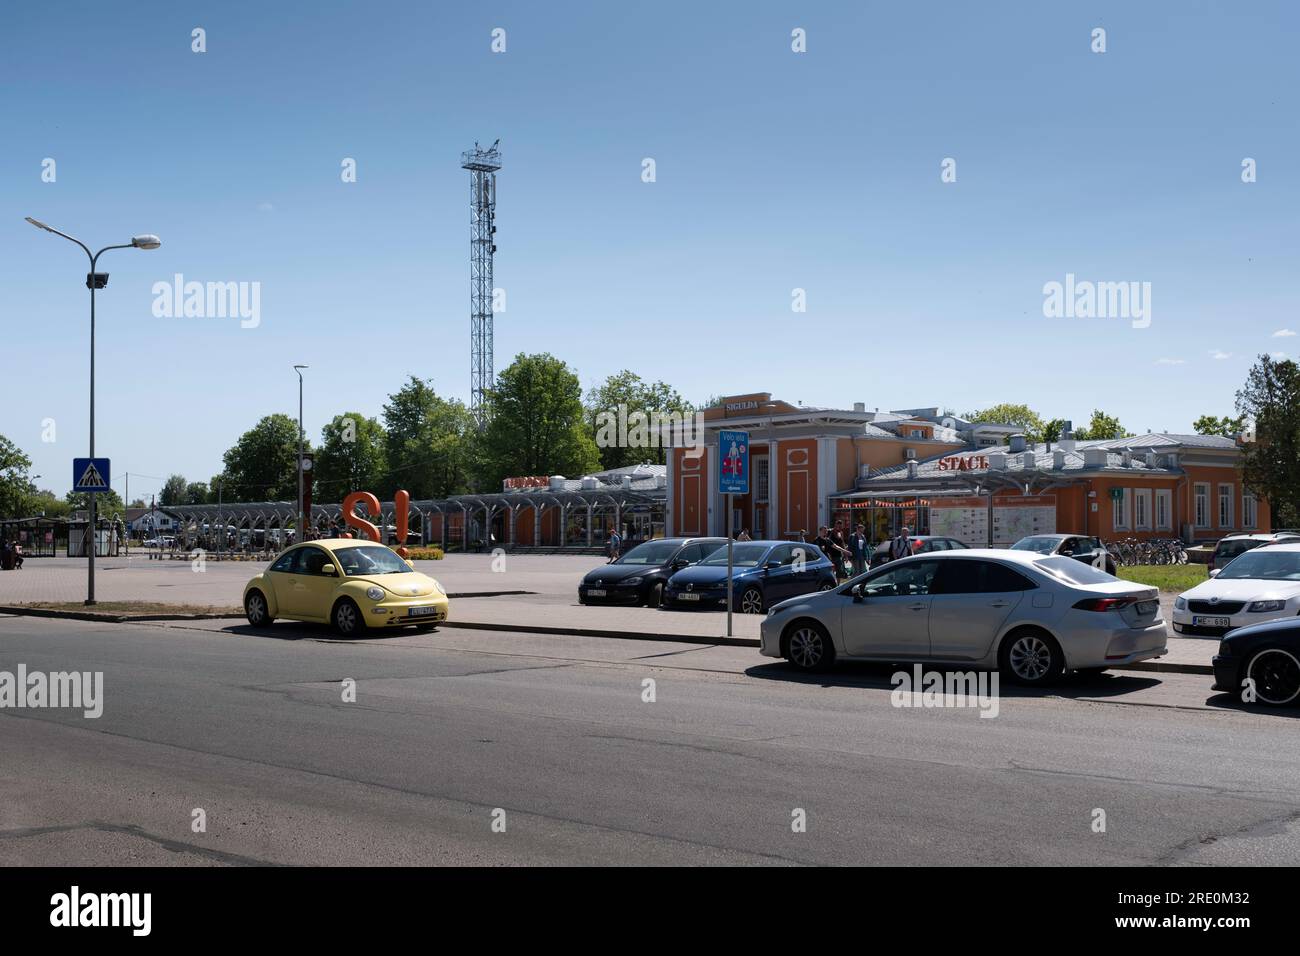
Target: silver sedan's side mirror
x: 1214, y: 572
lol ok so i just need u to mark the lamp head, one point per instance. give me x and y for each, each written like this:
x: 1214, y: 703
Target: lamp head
x: 146, y: 242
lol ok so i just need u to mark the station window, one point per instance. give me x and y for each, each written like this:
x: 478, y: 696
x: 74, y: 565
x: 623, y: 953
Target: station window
x: 1249, y: 510
x: 1164, y: 501
x: 1142, y: 509
x: 1120, y: 509
x: 1202, y: 511
x: 1225, y: 506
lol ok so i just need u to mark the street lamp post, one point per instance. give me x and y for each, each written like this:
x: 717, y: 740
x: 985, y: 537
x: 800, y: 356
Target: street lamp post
x: 301, y: 533
x: 95, y: 280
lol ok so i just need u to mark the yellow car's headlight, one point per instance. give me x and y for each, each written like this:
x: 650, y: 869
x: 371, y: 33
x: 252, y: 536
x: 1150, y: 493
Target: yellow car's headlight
x: 438, y: 587
x: 375, y: 593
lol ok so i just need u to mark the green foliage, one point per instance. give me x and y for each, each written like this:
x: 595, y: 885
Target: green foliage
x: 628, y: 389
x: 1102, y: 426
x: 352, y: 457
x: 173, y: 491
x: 538, y: 425
x: 263, y: 464
x: 428, y: 443
x: 15, y: 485
x: 1022, y: 416
x: 1225, y: 427
x: 1271, y: 400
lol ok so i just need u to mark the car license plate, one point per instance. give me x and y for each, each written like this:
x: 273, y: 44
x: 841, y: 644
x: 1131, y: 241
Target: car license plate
x: 595, y: 592
x: 688, y: 597
x: 1147, y: 607
x: 1211, y: 621
x: 422, y: 611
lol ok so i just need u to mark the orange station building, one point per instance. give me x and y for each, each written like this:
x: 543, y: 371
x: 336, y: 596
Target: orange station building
x: 979, y: 482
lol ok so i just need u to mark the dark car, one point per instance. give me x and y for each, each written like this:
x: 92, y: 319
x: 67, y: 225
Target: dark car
x: 921, y: 543
x: 763, y: 573
x: 1268, y: 656
x: 639, y: 576
x: 1081, y: 547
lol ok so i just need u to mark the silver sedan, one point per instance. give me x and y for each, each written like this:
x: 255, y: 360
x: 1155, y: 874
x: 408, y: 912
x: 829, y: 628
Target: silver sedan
x: 1028, y: 615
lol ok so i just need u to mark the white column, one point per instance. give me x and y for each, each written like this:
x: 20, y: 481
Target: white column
x: 773, y: 499
x: 713, y: 523
x: 827, y: 467
x: 670, y: 505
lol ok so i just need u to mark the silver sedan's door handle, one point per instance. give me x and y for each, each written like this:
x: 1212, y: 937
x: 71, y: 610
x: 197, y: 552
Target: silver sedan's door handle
x: 916, y: 607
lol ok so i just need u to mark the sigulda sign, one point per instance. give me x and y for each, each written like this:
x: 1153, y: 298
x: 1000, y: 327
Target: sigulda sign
x: 401, y: 514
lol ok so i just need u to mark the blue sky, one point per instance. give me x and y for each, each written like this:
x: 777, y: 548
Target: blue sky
x: 775, y: 171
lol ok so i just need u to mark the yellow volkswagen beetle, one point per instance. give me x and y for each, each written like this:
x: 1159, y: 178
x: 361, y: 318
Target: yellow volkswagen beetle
x: 351, y: 584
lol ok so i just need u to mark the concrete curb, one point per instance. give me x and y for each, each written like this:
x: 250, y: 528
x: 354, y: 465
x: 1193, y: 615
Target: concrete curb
x: 1155, y: 666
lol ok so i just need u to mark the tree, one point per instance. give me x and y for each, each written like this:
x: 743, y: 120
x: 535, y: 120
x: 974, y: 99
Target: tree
x: 1022, y: 416
x: 1052, y: 430
x: 1100, y: 427
x: 351, y: 458
x: 1225, y: 427
x: 47, y: 503
x: 173, y: 491
x: 15, y: 485
x: 196, y: 493
x: 537, y: 423
x: 625, y: 398
x: 263, y: 464
x: 1270, y: 400
x: 108, y: 504
x: 428, y: 443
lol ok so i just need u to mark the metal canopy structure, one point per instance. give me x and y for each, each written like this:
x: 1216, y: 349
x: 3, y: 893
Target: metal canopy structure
x: 261, y: 525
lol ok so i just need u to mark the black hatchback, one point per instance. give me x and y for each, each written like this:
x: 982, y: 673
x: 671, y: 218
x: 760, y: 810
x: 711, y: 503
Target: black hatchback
x: 1260, y: 664
x: 639, y: 576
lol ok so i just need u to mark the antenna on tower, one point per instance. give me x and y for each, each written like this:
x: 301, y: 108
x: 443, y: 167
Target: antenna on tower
x: 482, y: 165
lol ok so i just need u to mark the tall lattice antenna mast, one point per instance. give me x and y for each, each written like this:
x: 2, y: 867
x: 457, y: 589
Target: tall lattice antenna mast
x: 482, y: 165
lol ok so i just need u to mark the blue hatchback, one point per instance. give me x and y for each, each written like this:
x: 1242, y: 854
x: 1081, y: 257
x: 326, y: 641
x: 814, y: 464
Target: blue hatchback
x: 763, y: 573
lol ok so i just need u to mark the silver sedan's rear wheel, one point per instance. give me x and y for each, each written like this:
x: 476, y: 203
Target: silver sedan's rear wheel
x: 1032, y: 658
x: 1276, y: 676
x: 809, y: 647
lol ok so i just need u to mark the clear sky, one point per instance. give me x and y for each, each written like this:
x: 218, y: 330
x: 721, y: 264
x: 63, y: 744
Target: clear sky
x: 775, y: 170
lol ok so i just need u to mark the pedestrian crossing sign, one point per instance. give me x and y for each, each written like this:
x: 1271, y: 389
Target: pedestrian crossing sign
x: 90, y: 474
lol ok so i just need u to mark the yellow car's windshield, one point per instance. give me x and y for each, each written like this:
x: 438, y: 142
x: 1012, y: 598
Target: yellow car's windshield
x: 373, y: 559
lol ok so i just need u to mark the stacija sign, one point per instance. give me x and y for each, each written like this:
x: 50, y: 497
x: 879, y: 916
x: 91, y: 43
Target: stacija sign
x: 968, y: 463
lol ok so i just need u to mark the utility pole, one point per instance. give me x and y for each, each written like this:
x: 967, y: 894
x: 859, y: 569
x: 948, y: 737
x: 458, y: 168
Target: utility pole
x: 482, y: 165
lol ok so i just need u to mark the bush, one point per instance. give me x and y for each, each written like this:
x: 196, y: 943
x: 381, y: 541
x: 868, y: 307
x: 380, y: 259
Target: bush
x: 424, y: 554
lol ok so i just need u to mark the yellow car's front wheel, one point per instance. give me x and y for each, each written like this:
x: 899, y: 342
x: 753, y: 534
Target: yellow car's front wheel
x: 347, y: 618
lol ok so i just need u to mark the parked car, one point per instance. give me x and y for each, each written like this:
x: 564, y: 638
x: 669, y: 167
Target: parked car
x: 764, y: 572
x: 1233, y: 545
x: 1029, y: 615
x: 640, y: 575
x: 350, y: 584
x: 921, y: 544
x: 1261, y: 585
x: 1268, y: 656
x: 1081, y: 547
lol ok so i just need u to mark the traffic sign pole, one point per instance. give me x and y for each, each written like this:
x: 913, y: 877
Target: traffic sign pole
x: 730, y: 556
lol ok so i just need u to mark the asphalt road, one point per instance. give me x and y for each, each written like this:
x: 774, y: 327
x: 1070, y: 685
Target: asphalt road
x: 251, y: 727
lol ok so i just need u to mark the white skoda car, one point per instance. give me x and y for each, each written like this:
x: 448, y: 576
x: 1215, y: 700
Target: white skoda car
x: 1259, y: 585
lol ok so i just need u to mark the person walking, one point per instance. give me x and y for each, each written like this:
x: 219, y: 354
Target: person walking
x: 901, y: 546
x: 615, y: 545
x: 858, y: 546
x: 744, y: 535
x: 18, y: 556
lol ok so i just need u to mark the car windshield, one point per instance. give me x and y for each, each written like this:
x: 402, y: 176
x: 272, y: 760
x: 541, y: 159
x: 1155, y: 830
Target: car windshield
x: 1264, y: 565
x: 1039, y: 543
x: 370, y: 560
x: 1073, y: 572
x: 650, y: 554
x: 742, y: 555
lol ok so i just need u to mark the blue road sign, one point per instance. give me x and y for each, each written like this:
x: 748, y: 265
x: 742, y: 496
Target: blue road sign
x: 733, y: 469
x: 90, y: 474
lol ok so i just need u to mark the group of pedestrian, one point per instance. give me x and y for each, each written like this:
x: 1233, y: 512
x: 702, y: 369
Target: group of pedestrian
x: 850, y: 551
